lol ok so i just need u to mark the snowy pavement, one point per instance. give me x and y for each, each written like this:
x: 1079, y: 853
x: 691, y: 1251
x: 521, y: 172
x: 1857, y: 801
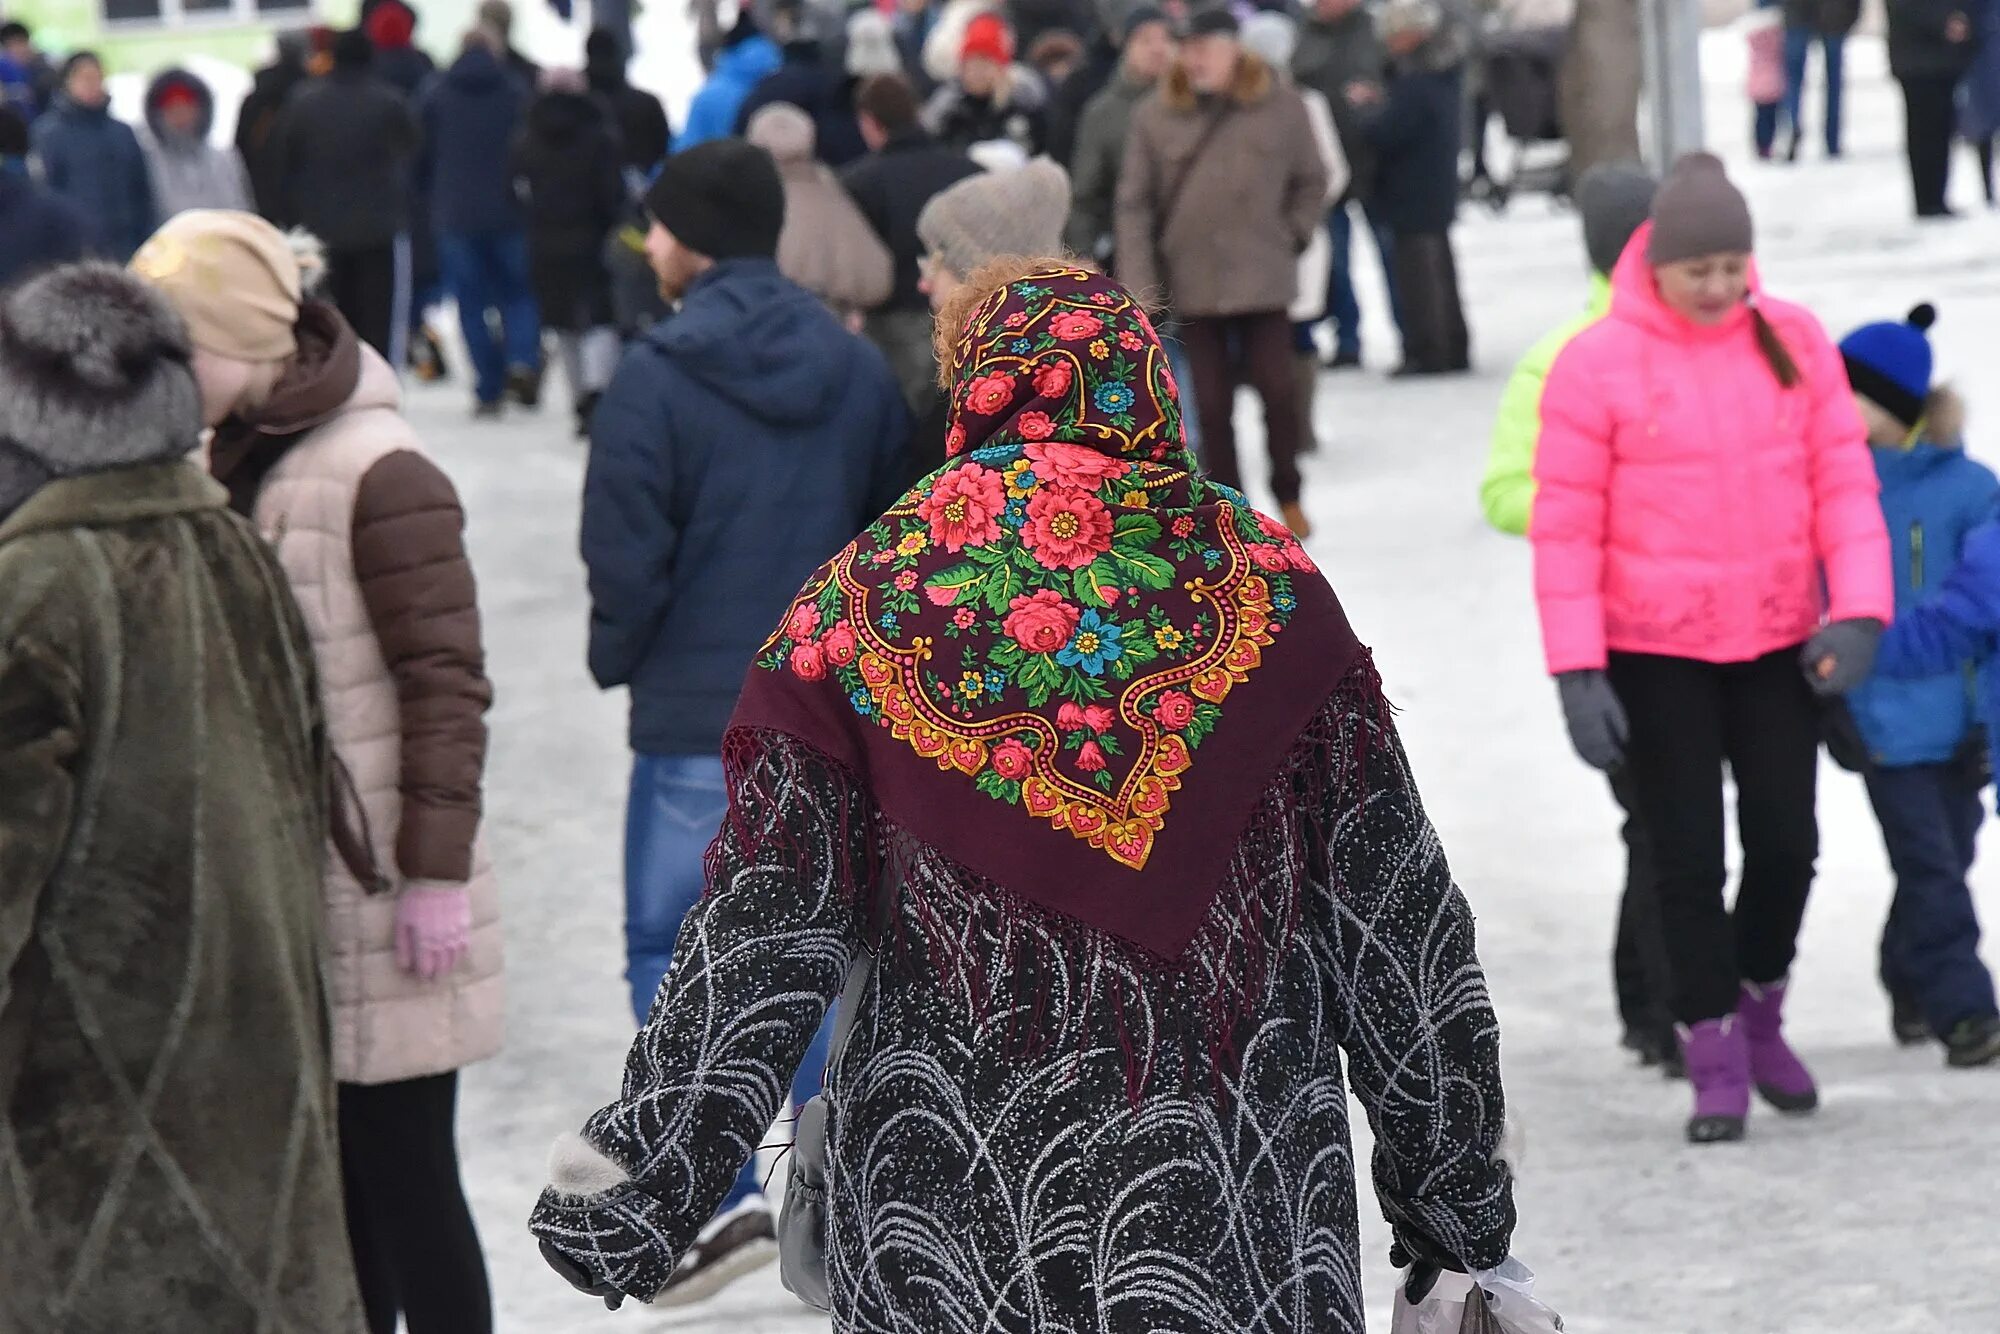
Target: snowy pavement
x: 1876, y: 1215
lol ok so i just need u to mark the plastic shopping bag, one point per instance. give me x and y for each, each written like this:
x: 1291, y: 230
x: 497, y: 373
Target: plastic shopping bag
x: 1491, y: 1301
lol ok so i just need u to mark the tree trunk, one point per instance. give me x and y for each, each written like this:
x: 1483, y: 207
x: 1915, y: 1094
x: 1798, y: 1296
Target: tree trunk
x: 1600, y: 84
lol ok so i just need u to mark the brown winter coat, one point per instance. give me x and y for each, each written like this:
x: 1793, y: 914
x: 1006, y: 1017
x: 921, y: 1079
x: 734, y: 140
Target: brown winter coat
x: 1212, y: 222
x: 371, y: 535
x: 168, y: 1158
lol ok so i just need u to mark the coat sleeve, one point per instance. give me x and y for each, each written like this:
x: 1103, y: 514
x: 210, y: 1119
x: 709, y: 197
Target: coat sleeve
x: 1572, y: 477
x: 41, y: 730
x: 629, y: 536
x: 1137, y: 213
x: 1507, y: 494
x: 758, y: 962
x: 1955, y: 626
x: 1848, y: 528
x: 1306, y: 175
x: 1339, y: 175
x: 416, y: 582
x: 1421, y: 1038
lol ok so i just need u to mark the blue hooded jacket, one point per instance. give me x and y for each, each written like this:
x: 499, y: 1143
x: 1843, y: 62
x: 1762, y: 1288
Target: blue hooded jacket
x: 470, y: 119
x: 95, y: 163
x: 738, y: 70
x: 1933, y: 498
x: 743, y: 442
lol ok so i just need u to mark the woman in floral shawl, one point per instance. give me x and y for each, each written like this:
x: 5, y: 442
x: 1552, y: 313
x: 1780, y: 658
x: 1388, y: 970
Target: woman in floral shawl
x: 1083, y: 749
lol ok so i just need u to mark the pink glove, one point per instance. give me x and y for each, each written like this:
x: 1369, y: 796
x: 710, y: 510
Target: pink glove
x: 433, y: 928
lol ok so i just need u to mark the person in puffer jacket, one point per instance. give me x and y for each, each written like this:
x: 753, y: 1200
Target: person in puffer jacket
x: 1926, y: 751
x: 1705, y: 526
x: 310, y: 443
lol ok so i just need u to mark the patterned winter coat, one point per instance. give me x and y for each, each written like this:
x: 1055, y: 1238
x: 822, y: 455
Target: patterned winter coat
x: 1686, y: 503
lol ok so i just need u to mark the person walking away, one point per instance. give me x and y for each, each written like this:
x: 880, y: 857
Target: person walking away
x: 1979, y: 102
x: 808, y: 78
x: 497, y: 18
x: 991, y: 99
x: 827, y: 246
x: 1009, y: 937
x: 1685, y: 575
x: 1103, y: 53
x: 1931, y: 48
x: 1825, y: 23
x: 1764, y: 80
x: 310, y: 443
x: 905, y: 169
x: 391, y: 28
x: 1416, y: 128
x: 187, y: 170
x: 1612, y: 201
x: 470, y: 120
x: 258, y: 118
x: 1339, y: 49
x: 39, y: 229
x: 94, y: 161
x: 1147, y: 54
x: 1017, y: 211
x: 1222, y: 187
x: 164, y: 789
x: 1926, y: 746
x: 567, y: 165
x: 637, y: 116
x: 743, y: 439
x: 1272, y: 38
x: 346, y: 149
x: 745, y: 60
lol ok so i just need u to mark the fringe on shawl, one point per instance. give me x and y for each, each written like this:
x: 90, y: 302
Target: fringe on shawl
x: 1040, y: 973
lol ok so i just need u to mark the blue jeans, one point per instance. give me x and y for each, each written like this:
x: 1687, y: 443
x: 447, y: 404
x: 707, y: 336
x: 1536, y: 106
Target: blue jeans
x: 1930, y: 816
x: 1341, y: 306
x: 673, y: 813
x: 1798, y: 48
x: 487, y: 272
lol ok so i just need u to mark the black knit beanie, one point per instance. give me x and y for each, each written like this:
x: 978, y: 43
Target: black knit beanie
x: 722, y: 199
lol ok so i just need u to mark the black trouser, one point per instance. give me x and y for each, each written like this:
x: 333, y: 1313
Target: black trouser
x: 416, y: 1252
x: 1226, y: 351
x: 1930, y: 114
x: 1434, y: 333
x: 362, y: 284
x: 1639, y: 956
x: 1688, y: 719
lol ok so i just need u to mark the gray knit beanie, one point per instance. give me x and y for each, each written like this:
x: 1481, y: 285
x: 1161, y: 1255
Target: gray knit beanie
x: 1698, y: 212
x: 1614, y: 198
x: 1015, y: 212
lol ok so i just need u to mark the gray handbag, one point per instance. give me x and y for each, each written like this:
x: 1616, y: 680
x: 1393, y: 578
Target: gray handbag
x: 802, y: 1222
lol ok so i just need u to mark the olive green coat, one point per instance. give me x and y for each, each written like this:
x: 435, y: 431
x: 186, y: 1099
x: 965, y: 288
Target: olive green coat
x: 168, y: 1157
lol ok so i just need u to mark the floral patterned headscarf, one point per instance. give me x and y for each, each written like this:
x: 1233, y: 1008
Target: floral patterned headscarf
x: 1065, y: 660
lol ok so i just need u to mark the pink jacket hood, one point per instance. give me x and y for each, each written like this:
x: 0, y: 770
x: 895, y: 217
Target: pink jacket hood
x: 1688, y: 504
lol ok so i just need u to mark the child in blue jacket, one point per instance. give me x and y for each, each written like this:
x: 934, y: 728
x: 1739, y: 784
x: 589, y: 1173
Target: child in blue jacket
x: 1918, y: 716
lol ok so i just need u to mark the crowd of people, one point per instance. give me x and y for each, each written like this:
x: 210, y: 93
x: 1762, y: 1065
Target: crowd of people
x: 1008, y: 795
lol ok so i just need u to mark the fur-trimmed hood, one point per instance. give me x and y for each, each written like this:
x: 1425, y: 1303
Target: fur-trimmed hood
x: 94, y: 373
x: 1252, y: 84
x: 1944, y: 417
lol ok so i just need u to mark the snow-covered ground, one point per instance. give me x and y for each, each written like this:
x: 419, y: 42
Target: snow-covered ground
x: 1877, y: 1215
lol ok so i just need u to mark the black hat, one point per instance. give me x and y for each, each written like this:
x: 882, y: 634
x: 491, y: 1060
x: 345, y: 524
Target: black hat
x: 722, y: 199
x: 1215, y: 22
x: 1141, y: 16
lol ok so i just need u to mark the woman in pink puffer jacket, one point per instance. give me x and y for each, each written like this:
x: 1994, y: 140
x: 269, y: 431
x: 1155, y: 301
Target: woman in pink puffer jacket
x: 1709, y: 553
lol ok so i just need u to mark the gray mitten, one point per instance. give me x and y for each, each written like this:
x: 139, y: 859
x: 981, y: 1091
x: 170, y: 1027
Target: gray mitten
x: 1597, y: 726
x: 1841, y: 655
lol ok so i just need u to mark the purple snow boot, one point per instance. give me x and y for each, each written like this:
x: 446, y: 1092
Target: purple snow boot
x: 1780, y: 1076
x: 1718, y: 1065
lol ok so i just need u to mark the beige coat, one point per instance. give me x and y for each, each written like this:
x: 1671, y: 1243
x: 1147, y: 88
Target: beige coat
x: 828, y: 245
x: 389, y: 1025
x: 1254, y: 190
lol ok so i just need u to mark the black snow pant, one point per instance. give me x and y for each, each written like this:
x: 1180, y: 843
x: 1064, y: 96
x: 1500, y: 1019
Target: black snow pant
x: 1639, y: 956
x: 416, y: 1252
x: 1930, y: 115
x: 1435, y: 338
x: 362, y: 284
x: 1226, y: 351
x: 1688, y: 720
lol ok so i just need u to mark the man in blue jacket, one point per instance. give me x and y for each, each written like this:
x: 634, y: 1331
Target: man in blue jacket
x: 744, y: 441
x: 95, y: 161
x: 38, y: 228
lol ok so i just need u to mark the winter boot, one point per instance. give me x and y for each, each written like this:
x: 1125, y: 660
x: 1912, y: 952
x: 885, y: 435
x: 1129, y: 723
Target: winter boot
x: 1780, y: 1076
x: 1972, y: 1043
x: 1906, y: 1021
x: 1305, y: 370
x: 1718, y: 1065
x: 586, y: 408
x: 427, y: 361
x: 524, y: 385
x: 1294, y: 515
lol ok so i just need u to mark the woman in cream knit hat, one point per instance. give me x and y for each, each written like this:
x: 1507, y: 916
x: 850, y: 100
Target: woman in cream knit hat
x: 311, y: 445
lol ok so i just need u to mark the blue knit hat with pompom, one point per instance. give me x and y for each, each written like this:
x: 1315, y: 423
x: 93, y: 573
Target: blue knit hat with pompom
x: 1890, y: 364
